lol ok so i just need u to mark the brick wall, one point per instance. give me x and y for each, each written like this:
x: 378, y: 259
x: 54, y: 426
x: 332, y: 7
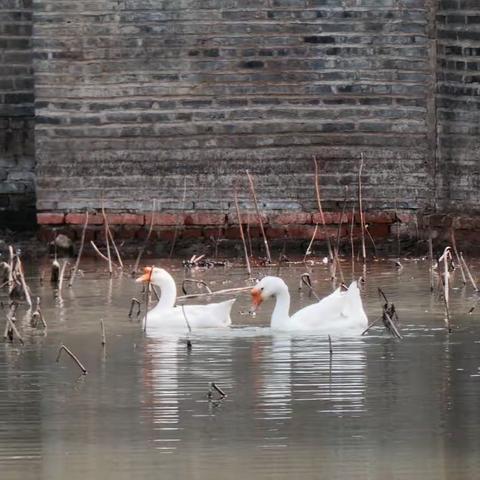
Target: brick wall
x: 134, y: 97
x: 458, y: 104
x: 17, y: 200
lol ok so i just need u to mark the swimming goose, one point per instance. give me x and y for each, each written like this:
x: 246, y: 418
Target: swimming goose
x: 340, y: 312
x: 166, y: 315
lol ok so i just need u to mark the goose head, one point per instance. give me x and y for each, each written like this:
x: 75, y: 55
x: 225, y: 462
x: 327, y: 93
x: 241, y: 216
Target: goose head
x: 267, y: 287
x: 154, y: 275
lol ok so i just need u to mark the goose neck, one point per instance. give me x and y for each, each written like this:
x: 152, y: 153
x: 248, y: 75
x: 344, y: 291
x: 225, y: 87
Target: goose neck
x: 280, y: 315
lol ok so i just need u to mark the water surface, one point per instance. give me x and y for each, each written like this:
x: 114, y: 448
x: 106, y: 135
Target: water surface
x: 377, y: 409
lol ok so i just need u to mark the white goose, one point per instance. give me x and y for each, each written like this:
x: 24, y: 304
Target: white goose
x: 166, y: 315
x: 339, y: 313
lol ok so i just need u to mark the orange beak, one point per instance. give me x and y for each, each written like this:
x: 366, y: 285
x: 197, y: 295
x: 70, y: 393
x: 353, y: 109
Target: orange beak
x: 146, y: 277
x: 256, y: 298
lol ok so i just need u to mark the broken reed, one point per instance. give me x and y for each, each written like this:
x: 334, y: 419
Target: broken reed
x: 63, y: 348
x: 259, y: 216
x: 80, y: 251
x: 242, y: 236
x: 360, y: 209
x: 320, y: 209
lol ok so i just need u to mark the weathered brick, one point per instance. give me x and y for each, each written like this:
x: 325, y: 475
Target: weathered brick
x: 79, y: 219
x: 50, y: 218
x: 288, y: 218
x: 203, y: 218
x: 331, y: 217
x: 248, y: 218
x: 165, y: 219
x: 125, y: 219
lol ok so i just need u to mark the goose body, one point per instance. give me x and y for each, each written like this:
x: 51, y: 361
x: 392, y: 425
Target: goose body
x: 165, y: 315
x: 338, y: 313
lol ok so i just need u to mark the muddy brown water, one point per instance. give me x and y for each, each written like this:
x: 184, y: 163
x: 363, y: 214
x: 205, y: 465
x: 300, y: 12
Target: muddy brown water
x: 378, y: 409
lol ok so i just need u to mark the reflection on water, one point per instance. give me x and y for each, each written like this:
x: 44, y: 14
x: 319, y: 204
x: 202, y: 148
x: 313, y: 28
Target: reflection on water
x: 376, y: 409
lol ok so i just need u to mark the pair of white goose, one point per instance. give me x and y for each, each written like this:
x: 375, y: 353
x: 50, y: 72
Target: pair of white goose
x: 338, y: 313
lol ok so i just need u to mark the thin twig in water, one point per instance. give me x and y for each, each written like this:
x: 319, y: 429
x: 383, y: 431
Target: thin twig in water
x: 459, y: 260
x: 80, y: 250
x: 10, y: 327
x: 186, y: 319
x: 197, y: 282
x: 305, y: 280
x: 72, y: 356
x: 430, y: 258
x: 259, y: 216
x: 446, y: 258
x: 330, y: 349
x: 351, y: 241
x: 214, y: 387
x: 19, y: 271
x: 472, y: 281
x: 104, y: 338
x: 99, y: 253
x: 107, y: 240
x: 309, y: 248
x: 218, y: 292
x: 38, y: 316
x: 117, y: 252
x: 62, y: 274
x: 134, y: 302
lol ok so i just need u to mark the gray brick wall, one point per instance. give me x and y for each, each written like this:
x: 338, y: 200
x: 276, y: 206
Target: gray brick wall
x: 17, y: 200
x: 133, y: 96
x: 458, y: 104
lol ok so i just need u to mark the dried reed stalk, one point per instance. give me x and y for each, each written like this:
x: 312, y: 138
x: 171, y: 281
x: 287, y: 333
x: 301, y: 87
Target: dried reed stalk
x: 145, y: 243
x: 80, y: 251
x: 60, y: 280
x: 430, y: 259
x: 472, y: 281
x: 116, y: 250
x: 259, y: 216
x: 218, y: 292
x: 19, y: 272
x: 186, y: 320
x: 104, y: 338
x: 330, y: 348
x: 309, y: 248
x: 197, y: 282
x: 307, y: 281
x: 446, y: 257
x: 63, y: 348
x: 99, y: 253
x: 38, y: 316
x: 352, y: 248
x: 459, y: 260
x: 177, y: 223
x: 107, y: 239
x: 55, y: 274
x: 10, y: 327
x: 360, y: 209
x: 320, y: 209
x: 133, y: 302
x: 242, y: 236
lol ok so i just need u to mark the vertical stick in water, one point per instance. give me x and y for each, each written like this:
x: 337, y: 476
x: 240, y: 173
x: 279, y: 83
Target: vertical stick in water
x: 259, y: 216
x: 320, y: 209
x: 247, y: 260
x: 104, y: 338
x: 446, y: 288
x: 145, y: 243
x: 175, y: 232
x: 459, y: 260
x: 351, y: 241
x: 330, y: 348
x: 360, y: 209
x: 107, y: 239
x: 468, y: 272
x: 430, y: 258
x: 80, y: 250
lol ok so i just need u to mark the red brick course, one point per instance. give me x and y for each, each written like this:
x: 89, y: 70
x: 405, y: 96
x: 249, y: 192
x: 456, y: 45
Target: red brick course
x: 125, y: 219
x: 167, y: 219
x: 298, y: 218
x: 50, y: 218
x: 79, y: 219
x: 201, y: 218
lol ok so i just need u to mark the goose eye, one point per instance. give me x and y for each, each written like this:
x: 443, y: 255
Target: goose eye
x: 261, y: 289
